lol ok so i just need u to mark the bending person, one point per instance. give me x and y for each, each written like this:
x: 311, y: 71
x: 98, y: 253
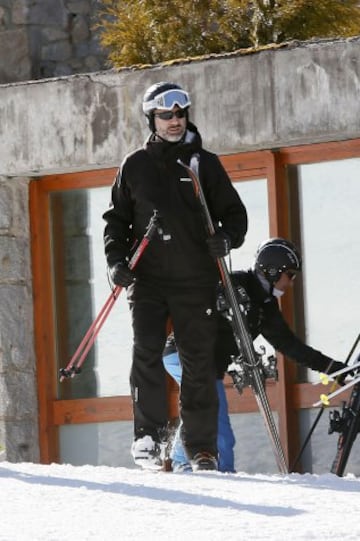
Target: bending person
x: 277, y: 263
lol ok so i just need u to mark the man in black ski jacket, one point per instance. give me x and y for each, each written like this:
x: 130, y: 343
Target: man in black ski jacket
x: 177, y: 275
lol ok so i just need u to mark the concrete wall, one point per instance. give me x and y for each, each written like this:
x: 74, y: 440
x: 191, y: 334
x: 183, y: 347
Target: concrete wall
x: 292, y: 95
x: 295, y: 94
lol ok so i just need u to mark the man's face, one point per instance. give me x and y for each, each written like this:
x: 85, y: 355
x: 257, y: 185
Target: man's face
x: 171, y: 129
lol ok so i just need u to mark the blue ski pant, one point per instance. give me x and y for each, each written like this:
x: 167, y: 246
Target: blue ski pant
x: 225, y: 437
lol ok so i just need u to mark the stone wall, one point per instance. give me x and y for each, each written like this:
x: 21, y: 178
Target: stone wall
x: 48, y: 38
x: 18, y: 398
x: 299, y: 93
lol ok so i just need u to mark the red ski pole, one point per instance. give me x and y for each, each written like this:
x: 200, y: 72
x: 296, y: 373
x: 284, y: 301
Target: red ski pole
x: 77, y: 360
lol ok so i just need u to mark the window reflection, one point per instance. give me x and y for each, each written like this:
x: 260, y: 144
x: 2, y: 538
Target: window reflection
x: 81, y: 288
x: 71, y: 250
x: 254, y: 196
x: 328, y: 200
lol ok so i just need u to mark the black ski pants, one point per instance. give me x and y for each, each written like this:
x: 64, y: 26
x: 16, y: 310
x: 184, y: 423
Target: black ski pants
x: 193, y: 315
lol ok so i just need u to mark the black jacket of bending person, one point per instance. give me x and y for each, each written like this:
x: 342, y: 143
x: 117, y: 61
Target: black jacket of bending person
x: 264, y: 317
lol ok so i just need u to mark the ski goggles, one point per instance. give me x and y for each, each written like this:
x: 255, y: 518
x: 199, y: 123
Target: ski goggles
x: 168, y: 115
x: 167, y: 100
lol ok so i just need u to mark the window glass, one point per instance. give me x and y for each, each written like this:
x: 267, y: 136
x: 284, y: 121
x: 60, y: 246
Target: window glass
x: 254, y: 196
x: 81, y: 289
x: 329, y: 195
x: 98, y: 444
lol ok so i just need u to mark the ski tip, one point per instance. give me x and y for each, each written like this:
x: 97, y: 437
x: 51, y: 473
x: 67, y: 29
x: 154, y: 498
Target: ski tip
x: 324, y: 378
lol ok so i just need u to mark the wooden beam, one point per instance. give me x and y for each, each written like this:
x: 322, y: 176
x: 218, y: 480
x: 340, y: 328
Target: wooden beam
x: 43, y: 318
x: 321, y: 152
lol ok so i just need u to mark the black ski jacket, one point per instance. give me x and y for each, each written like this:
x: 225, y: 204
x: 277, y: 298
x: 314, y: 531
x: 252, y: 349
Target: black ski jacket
x: 264, y: 317
x: 150, y: 178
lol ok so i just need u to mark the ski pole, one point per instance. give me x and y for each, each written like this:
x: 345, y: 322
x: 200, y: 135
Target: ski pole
x: 321, y: 410
x: 325, y: 398
x: 325, y: 378
x: 77, y: 360
x: 75, y: 363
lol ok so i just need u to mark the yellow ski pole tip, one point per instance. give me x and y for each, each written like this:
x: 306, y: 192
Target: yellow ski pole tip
x: 324, y: 399
x: 324, y: 379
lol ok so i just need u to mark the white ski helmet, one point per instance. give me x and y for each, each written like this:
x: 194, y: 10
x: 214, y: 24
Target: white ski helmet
x: 164, y: 96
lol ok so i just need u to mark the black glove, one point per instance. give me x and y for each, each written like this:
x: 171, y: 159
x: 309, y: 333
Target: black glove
x: 121, y: 275
x: 336, y: 365
x: 219, y: 245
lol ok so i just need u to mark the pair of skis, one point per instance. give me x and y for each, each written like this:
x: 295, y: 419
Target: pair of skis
x: 251, y: 368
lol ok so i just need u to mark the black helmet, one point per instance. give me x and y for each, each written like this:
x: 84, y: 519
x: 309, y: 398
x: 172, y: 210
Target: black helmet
x: 275, y: 256
x: 164, y: 96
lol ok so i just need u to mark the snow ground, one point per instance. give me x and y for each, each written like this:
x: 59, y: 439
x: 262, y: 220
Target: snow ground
x: 62, y: 503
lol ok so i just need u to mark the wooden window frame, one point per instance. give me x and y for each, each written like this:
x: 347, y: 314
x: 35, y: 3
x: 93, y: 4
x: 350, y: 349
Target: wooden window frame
x: 286, y: 396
